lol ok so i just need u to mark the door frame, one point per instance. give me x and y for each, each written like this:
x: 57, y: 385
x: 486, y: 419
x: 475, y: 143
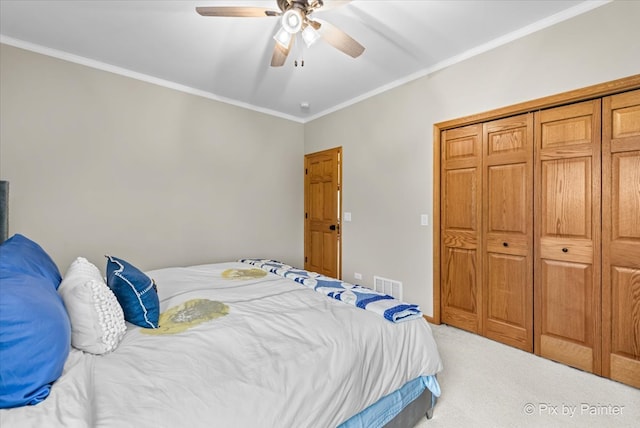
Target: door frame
x: 339, y: 191
x: 583, y: 94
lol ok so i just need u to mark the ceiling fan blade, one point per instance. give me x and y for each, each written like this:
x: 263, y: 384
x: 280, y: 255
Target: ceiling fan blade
x: 253, y: 12
x: 280, y: 53
x: 339, y: 39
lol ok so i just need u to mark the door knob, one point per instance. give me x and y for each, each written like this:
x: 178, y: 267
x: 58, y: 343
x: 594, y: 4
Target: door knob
x: 332, y: 227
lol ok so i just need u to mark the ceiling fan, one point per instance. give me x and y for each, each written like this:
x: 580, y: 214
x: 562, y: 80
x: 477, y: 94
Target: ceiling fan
x: 295, y: 16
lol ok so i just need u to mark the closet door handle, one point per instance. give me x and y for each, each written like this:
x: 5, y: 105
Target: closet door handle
x: 505, y: 244
x: 565, y: 250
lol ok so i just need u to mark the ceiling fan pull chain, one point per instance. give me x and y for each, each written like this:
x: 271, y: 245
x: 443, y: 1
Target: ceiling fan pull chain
x: 300, y: 48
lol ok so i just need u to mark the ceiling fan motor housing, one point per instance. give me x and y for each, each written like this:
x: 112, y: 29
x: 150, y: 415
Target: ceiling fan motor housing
x: 285, y: 5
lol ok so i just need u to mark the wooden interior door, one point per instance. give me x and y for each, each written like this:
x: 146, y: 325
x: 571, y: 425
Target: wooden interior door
x: 508, y: 231
x: 567, y: 302
x: 322, y: 195
x: 460, y: 222
x: 621, y: 238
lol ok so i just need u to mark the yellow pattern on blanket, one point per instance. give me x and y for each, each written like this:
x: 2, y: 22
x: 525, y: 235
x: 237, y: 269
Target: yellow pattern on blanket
x: 243, y: 273
x: 186, y: 315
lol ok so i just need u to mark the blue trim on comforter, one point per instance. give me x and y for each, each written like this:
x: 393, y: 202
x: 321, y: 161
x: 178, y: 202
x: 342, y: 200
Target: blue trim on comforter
x: 362, y: 297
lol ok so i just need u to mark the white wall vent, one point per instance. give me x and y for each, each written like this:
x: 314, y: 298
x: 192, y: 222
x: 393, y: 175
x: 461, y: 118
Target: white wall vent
x: 388, y: 286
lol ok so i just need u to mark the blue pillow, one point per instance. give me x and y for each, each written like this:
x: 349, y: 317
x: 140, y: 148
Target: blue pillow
x: 135, y: 291
x: 35, y: 338
x: 19, y: 254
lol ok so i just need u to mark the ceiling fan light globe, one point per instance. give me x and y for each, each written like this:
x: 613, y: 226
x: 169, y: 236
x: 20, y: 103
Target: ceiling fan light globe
x: 292, y: 21
x: 283, y: 37
x: 310, y: 35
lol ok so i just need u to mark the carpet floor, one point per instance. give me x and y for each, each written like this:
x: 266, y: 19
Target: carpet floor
x: 486, y: 384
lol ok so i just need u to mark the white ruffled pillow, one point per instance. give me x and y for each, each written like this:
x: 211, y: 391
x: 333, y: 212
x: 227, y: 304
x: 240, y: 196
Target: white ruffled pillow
x: 97, y: 320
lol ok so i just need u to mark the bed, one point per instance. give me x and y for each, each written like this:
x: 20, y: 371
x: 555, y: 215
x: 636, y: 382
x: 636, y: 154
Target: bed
x: 238, y: 344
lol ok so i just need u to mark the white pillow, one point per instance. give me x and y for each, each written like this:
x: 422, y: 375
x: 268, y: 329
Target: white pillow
x: 97, y: 320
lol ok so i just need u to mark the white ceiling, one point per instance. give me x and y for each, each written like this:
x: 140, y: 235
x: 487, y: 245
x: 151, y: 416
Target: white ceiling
x: 227, y: 59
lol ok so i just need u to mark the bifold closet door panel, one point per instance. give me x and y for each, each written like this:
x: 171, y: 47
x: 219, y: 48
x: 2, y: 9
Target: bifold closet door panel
x: 621, y: 238
x: 567, y: 301
x: 508, y: 231
x: 460, y: 219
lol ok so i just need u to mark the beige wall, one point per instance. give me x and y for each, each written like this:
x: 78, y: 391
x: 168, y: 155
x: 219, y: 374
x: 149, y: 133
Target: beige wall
x: 99, y: 163
x: 387, y: 140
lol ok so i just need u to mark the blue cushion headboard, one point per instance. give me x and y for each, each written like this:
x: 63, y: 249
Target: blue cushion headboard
x: 4, y: 210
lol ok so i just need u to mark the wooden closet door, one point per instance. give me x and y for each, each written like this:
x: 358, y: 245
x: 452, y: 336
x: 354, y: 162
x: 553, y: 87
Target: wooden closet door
x: 508, y: 231
x: 621, y: 238
x: 567, y: 288
x: 460, y: 219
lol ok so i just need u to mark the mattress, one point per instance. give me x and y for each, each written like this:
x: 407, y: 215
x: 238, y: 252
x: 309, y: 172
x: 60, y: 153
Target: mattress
x: 277, y: 354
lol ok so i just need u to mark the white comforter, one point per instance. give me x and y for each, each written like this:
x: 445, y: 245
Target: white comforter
x: 284, y: 356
